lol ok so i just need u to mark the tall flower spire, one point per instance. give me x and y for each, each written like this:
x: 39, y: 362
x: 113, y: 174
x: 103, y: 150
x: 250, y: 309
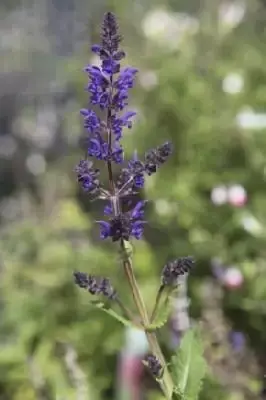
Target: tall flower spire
x: 108, y: 87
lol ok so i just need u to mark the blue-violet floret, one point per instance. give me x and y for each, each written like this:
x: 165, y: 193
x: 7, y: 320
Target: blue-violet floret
x: 124, y: 225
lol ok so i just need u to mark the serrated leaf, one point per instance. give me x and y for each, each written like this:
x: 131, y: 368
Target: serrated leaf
x: 162, y: 316
x: 101, y: 306
x: 188, y: 366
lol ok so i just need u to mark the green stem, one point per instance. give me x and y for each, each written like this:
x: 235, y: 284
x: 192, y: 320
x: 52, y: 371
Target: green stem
x: 157, y: 302
x: 166, y: 382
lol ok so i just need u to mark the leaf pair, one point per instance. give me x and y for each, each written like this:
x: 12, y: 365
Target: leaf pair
x: 188, y: 366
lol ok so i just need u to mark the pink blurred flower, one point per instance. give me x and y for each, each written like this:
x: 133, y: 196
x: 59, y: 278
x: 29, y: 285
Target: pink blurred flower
x: 237, y: 195
x: 130, y: 374
x: 233, y: 278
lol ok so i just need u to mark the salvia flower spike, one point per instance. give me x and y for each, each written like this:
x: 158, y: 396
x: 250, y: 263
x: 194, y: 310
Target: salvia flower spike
x: 108, y: 86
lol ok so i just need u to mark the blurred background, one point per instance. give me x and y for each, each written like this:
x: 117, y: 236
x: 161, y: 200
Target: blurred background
x: 202, y: 85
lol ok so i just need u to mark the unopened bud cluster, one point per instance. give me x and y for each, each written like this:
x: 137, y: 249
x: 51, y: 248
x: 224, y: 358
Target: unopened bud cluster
x: 174, y: 269
x: 95, y: 285
x: 153, y: 365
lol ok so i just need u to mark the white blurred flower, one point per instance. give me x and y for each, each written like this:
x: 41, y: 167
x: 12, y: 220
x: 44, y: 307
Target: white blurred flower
x: 148, y: 79
x: 237, y: 195
x: 168, y: 28
x: 163, y: 207
x: 248, y: 119
x: 12, y: 39
x: 251, y: 224
x: 36, y: 164
x: 233, y: 83
x: 23, y: 30
x: 136, y: 342
x: 8, y: 146
x: 219, y: 195
x: 46, y: 121
x: 38, y: 128
x: 9, y: 208
x: 187, y: 23
x: 232, y: 13
x: 157, y: 22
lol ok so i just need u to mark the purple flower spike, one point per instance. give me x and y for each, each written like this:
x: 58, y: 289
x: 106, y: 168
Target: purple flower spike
x: 110, y: 94
x: 109, y: 85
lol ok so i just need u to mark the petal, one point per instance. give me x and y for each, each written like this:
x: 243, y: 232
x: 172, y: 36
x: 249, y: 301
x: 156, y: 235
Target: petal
x: 91, y: 69
x: 105, y: 229
x: 108, y: 210
x: 139, y: 181
x: 84, y: 112
x: 128, y: 115
x: 96, y: 48
x: 137, y: 212
x: 129, y: 71
x: 94, y: 148
x: 137, y: 229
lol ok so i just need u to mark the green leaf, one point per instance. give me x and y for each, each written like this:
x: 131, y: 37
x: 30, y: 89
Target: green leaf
x: 162, y: 316
x: 177, y: 394
x: 188, y: 366
x: 101, y: 306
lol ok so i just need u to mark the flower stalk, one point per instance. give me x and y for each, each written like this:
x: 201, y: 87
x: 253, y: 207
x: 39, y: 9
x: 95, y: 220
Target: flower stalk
x: 165, y: 382
x: 157, y: 302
